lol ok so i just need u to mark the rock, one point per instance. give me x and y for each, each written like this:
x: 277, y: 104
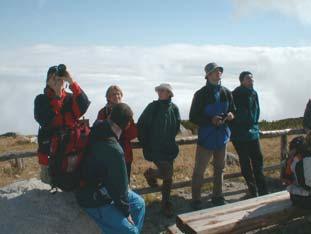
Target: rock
x: 27, y: 207
x: 183, y: 132
x: 232, y: 159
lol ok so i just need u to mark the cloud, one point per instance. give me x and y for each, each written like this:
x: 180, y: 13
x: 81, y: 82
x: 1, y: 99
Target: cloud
x: 299, y: 9
x: 281, y: 76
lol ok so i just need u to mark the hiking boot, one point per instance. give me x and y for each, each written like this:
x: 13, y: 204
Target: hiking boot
x: 196, y: 205
x: 167, y: 209
x: 249, y: 196
x: 152, y: 182
x: 219, y: 201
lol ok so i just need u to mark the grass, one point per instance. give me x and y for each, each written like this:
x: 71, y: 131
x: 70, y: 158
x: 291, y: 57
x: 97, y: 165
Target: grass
x: 182, y: 168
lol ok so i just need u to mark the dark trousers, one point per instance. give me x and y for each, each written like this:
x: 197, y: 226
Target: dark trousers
x: 164, y: 171
x: 129, y: 169
x: 251, y: 162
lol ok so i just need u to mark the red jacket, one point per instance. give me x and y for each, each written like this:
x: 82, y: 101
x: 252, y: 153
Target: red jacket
x: 55, y: 114
x: 127, y: 135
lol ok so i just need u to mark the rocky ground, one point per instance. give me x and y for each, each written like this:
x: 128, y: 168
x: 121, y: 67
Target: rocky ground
x: 35, y: 208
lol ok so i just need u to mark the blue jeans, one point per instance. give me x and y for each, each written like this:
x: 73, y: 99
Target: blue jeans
x: 112, y: 221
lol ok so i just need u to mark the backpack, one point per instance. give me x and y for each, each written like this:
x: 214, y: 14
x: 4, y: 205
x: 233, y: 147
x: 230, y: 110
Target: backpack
x: 68, y: 148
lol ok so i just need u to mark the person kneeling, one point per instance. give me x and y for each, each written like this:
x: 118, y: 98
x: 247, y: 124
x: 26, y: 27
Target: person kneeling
x: 105, y: 195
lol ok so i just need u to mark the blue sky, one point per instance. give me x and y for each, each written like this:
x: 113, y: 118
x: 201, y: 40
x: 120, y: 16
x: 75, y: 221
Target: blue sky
x: 139, y: 44
x: 149, y: 23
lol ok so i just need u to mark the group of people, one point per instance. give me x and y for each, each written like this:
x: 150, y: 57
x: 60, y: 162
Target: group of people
x: 105, y: 170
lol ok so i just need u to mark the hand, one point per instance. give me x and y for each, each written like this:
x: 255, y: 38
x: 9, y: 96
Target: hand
x: 229, y: 117
x: 129, y: 218
x: 67, y: 78
x: 217, y: 120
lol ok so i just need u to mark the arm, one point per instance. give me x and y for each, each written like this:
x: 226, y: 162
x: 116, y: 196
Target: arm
x: 307, y: 117
x: 177, y: 116
x: 143, y: 123
x: 117, y: 184
x: 80, y: 102
x: 196, y: 114
x: 44, y: 114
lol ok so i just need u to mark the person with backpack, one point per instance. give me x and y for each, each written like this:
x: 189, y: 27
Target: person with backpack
x: 245, y: 135
x: 105, y: 195
x: 114, y: 96
x: 211, y: 109
x: 307, y: 117
x: 158, y: 126
x: 61, y: 137
x: 298, y: 171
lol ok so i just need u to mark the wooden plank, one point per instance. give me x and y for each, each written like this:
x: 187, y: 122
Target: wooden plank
x: 180, y: 141
x: 187, y: 183
x: 17, y: 155
x: 241, y: 216
x: 173, y: 230
x: 183, y: 219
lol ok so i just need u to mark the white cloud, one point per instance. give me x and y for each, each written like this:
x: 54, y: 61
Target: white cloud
x: 299, y: 9
x: 281, y: 74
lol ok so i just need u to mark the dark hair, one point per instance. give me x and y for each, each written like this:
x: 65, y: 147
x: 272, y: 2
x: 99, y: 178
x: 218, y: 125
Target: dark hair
x: 244, y: 74
x: 121, y: 115
x: 52, y: 70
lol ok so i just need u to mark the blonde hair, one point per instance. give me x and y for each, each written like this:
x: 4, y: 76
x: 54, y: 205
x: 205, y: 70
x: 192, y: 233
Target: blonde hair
x: 113, y: 88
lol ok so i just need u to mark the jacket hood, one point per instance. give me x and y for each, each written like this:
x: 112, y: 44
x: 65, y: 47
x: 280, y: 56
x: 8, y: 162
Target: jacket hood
x: 101, y: 129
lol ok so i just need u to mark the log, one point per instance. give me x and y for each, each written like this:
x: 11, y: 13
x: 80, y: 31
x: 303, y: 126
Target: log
x: 206, y: 180
x: 240, y: 217
x: 180, y: 141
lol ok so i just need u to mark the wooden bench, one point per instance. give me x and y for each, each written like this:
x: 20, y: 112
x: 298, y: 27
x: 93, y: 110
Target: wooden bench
x: 240, y: 217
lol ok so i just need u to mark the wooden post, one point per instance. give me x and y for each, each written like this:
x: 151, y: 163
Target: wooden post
x: 284, y: 153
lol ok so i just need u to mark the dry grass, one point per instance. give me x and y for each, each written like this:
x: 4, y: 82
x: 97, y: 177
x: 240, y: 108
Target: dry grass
x: 182, y: 168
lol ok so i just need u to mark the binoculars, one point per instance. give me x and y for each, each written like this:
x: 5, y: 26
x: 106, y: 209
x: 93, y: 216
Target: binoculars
x: 61, y: 70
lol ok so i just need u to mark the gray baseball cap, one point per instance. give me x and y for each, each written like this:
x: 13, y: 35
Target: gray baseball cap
x: 212, y: 67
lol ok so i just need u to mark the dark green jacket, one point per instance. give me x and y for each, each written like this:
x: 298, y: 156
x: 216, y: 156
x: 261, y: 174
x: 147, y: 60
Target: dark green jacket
x: 105, y: 170
x: 158, y: 126
x: 307, y: 116
x: 245, y: 125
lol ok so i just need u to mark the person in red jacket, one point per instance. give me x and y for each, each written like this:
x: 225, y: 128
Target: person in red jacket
x: 114, y: 96
x: 58, y: 113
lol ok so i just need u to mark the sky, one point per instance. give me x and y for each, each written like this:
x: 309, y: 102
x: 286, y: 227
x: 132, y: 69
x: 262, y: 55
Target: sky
x: 139, y: 44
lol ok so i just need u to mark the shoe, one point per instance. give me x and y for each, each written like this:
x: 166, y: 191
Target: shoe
x: 167, y: 209
x: 219, y: 201
x: 249, y: 196
x: 196, y: 205
x: 152, y: 182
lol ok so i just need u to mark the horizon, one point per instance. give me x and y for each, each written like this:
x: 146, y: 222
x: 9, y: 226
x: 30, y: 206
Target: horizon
x: 138, y: 45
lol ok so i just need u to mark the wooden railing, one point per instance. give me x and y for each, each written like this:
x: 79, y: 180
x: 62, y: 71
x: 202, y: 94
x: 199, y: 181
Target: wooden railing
x: 283, y: 134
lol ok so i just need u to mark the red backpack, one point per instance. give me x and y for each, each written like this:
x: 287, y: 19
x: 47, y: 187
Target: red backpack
x: 67, y: 151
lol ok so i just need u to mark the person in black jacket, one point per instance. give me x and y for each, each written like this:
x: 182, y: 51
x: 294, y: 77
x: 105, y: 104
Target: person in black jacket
x: 57, y: 113
x: 307, y: 118
x: 105, y: 195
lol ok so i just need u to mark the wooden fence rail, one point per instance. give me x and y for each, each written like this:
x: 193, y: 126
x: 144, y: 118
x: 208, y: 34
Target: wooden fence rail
x: 283, y: 134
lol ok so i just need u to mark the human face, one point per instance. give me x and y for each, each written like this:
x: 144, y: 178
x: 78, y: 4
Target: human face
x: 115, y: 97
x: 248, y: 81
x: 215, y: 76
x: 163, y: 94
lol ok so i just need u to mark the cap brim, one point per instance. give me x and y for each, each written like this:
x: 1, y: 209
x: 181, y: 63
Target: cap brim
x: 161, y: 87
